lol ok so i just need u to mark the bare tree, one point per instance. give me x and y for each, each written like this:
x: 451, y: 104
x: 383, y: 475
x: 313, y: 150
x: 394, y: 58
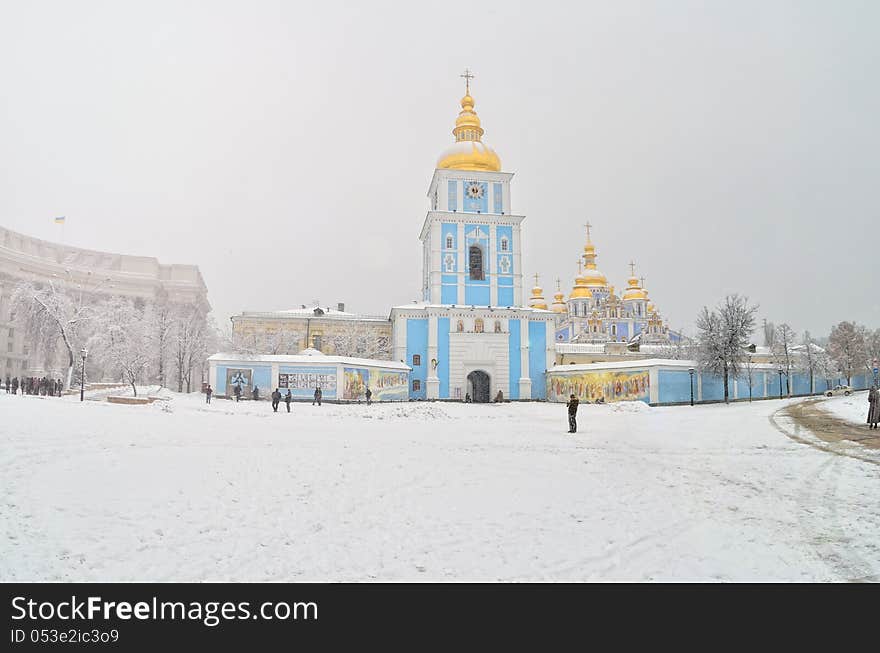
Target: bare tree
x: 782, y: 354
x: 62, y: 310
x: 870, y: 348
x: 162, y: 326
x: 808, y: 358
x: 769, y: 333
x: 361, y: 341
x: 847, y: 349
x: 123, y: 339
x: 723, y: 337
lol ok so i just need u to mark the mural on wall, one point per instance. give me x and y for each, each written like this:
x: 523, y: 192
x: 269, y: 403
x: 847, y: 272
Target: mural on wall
x: 590, y: 386
x: 302, y: 381
x: 389, y: 386
x: 355, y: 382
x: 385, y: 385
x: 242, y: 377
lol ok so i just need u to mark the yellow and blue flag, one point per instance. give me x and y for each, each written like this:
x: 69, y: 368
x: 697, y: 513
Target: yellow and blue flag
x: 60, y: 220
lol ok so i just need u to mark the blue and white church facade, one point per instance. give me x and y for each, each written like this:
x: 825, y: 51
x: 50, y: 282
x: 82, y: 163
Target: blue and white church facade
x: 471, y: 334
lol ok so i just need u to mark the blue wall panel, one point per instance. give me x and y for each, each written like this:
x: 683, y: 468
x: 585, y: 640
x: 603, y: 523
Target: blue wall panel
x: 452, y: 187
x: 675, y: 386
x: 537, y: 358
x: 800, y: 384
x: 713, y: 388
x: 417, y: 343
x: 476, y: 295
x: 443, y: 355
x: 513, y: 344
x: 448, y: 294
x: 505, y: 295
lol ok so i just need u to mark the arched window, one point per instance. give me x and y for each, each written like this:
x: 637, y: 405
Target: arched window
x: 417, y: 385
x: 475, y: 263
x: 478, y: 325
x: 504, y: 244
x: 417, y: 360
x: 448, y: 242
x: 613, y: 329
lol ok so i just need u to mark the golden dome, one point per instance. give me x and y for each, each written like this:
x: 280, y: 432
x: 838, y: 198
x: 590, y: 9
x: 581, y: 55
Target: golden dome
x: 633, y: 290
x: 537, y: 298
x: 469, y: 152
x: 581, y: 290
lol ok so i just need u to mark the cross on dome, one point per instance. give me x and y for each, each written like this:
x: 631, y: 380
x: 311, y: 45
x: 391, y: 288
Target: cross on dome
x: 468, y: 76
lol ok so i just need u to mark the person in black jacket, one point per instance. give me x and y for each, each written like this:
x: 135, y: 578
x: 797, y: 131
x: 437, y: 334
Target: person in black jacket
x: 276, y: 399
x: 287, y: 399
x: 369, y: 395
x: 209, y: 391
x: 317, y: 396
x: 572, y: 414
x: 237, y: 392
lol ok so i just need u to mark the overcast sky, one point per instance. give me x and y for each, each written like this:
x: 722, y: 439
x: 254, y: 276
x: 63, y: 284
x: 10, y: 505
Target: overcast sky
x: 287, y: 149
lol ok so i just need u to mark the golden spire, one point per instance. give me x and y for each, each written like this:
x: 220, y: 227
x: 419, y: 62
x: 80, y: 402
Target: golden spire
x: 593, y: 278
x: 558, y: 305
x: 634, y: 290
x: 537, y: 298
x: 469, y: 151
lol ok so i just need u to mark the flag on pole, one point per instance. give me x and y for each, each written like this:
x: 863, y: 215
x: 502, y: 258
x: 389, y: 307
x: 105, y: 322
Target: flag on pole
x: 60, y: 220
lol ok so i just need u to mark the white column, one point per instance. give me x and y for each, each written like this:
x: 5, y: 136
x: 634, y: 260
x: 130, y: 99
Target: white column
x: 493, y: 266
x: 517, y: 266
x: 436, y: 261
x: 525, y: 383
x: 433, y: 382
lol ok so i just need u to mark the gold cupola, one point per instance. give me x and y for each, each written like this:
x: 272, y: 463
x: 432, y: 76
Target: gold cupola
x: 592, y: 277
x: 633, y: 289
x: 558, y: 305
x: 537, y: 299
x: 469, y: 152
x: 581, y: 290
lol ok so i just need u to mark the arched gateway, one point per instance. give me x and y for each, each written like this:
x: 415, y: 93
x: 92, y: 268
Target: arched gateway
x: 478, y: 386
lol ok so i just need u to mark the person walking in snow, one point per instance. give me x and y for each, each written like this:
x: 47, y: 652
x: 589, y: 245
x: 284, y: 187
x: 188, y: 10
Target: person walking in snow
x: 873, y: 407
x: 287, y: 399
x: 208, y: 392
x: 317, y: 396
x: 572, y: 414
x: 15, y: 385
x: 237, y: 392
x: 276, y: 399
x: 256, y: 393
x: 368, y: 394
x: 8, y: 384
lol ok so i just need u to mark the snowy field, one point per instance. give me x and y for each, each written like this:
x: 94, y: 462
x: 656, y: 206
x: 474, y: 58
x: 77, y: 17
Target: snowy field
x: 853, y: 408
x: 188, y: 492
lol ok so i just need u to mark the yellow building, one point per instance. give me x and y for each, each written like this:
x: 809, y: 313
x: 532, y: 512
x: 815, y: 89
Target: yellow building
x: 330, y: 331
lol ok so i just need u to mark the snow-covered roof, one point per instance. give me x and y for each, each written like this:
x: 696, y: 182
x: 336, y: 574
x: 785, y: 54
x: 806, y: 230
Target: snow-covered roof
x: 307, y: 359
x: 312, y: 312
x: 580, y: 348
x: 645, y: 362
x: 421, y: 305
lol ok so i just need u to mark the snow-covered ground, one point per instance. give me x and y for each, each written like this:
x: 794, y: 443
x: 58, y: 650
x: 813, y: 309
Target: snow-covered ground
x: 178, y: 490
x: 853, y: 408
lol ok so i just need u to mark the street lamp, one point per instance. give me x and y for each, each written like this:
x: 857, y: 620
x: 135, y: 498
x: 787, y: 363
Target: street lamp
x: 82, y: 377
x: 691, y: 372
x: 780, y: 382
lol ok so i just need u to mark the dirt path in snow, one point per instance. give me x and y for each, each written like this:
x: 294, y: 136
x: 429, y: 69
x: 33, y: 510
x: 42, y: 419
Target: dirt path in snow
x: 835, y: 431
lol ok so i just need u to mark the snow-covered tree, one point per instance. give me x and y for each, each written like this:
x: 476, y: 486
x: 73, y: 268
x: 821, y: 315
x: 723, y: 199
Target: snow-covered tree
x: 847, y: 349
x: 361, y: 341
x: 53, y: 310
x: 781, y: 350
x: 276, y: 341
x: 769, y: 334
x: 190, y: 337
x: 870, y: 347
x: 162, y: 325
x: 682, y: 349
x: 807, y: 357
x: 123, y: 340
x: 723, y: 337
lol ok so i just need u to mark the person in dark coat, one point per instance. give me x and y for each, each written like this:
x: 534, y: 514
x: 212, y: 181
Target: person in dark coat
x: 572, y: 414
x: 237, y: 392
x: 276, y: 399
x: 317, y: 397
x: 60, y: 387
x: 873, y: 407
x: 15, y: 385
x: 208, y: 392
x: 499, y: 397
x: 256, y: 393
x: 8, y: 383
x: 287, y: 399
x: 369, y: 395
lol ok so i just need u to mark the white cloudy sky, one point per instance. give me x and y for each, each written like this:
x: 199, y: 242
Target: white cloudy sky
x: 286, y: 148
